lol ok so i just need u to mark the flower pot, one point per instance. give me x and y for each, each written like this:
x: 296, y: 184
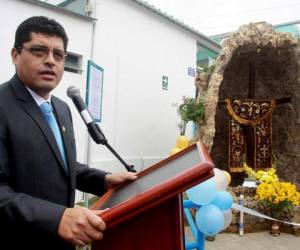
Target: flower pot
x: 275, y: 229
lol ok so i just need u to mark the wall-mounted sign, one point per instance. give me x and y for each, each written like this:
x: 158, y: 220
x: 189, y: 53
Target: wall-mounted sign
x: 191, y: 71
x: 94, y: 90
x: 165, y: 82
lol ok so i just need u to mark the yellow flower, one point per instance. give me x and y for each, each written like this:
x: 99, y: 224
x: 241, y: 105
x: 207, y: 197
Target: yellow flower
x: 271, y: 191
x: 261, y: 176
x: 278, y: 194
x: 249, y: 171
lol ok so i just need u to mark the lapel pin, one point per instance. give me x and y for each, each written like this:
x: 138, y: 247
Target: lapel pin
x: 63, y: 129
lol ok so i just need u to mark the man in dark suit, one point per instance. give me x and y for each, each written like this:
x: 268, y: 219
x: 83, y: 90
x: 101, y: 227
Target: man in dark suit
x: 38, y: 167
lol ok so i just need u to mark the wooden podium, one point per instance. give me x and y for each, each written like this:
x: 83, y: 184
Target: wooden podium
x: 146, y: 214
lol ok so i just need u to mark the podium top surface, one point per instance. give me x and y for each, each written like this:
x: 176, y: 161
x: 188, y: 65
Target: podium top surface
x: 159, y: 182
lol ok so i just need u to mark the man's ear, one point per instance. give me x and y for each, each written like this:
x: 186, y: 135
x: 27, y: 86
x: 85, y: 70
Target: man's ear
x: 14, y: 54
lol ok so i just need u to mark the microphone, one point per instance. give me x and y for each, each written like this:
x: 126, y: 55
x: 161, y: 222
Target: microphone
x: 93, y: 128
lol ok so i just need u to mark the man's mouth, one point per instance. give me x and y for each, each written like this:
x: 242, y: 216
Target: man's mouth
x: 49, y: 74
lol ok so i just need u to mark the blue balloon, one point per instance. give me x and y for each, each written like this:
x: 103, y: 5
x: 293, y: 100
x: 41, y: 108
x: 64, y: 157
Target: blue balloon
x: 209, y: 219
x: 203, y: 193
x: 223, y: 200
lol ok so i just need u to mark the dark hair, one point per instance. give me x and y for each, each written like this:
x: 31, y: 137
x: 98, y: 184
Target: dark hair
x: 39, y: 24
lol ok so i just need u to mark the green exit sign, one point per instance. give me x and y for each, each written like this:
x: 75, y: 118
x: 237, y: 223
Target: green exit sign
x: 165, y: 82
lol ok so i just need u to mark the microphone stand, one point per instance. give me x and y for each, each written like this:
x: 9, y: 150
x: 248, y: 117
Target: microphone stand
x: 103, y: 141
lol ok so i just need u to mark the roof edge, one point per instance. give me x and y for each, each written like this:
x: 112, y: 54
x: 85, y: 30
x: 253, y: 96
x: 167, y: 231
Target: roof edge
x: 65, y: 3
x: 58, y: 9
x: 206, y: 41
x: 287, y: 23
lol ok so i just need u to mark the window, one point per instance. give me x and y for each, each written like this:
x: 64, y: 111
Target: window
x: 73, y: 63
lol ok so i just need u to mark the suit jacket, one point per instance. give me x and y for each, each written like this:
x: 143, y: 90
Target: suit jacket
x: 35, y: 188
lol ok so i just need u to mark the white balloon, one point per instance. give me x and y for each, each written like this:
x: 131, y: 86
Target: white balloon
x: 227, y: 218
x: 220, y: 179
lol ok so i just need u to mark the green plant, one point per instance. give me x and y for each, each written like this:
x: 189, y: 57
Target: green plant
x: 190, y: 110
x: 91, y: 201
x: 208, y: 69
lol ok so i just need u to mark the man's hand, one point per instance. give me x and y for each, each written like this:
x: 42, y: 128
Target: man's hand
x: 118, y: 178
x: 80, y: 226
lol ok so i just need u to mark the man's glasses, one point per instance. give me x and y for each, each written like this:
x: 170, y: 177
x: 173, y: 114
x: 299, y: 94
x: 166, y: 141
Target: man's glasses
x: 42, y: 52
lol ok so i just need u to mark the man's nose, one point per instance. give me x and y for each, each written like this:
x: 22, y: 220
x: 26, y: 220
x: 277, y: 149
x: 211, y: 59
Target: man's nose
x: 50, y: 58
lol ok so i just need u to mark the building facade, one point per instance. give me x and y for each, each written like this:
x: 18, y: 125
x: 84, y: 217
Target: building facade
x: 149, y: 61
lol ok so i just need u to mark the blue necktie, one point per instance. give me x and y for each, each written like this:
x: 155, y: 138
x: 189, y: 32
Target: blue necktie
x: 47, y: 111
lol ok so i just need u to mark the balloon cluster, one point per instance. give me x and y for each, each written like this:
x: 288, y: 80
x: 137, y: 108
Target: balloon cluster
x: 213, y: 203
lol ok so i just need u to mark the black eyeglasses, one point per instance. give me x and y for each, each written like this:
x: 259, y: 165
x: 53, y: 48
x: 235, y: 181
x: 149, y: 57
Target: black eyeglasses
x: 42, y: 52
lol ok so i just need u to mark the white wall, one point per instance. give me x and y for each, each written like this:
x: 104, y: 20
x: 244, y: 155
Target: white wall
x: 13, y: 12
x: 136, y: 48
x: 79, y: 42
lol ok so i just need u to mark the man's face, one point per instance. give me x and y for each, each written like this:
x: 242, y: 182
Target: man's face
x: 40, y: 64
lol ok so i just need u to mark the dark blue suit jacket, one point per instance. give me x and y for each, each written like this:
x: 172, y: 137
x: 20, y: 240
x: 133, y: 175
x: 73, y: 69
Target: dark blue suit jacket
x: 35, y: 188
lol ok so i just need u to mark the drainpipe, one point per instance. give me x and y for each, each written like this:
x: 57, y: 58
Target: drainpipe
x: 89, y: 10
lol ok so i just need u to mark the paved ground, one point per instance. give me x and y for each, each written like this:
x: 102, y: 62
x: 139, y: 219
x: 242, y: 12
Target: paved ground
x: 253, y: 241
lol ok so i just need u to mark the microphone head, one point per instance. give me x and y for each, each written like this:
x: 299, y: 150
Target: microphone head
x: 73, y: 91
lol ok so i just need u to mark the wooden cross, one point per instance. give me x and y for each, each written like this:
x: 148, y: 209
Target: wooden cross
x: 249, y: 132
